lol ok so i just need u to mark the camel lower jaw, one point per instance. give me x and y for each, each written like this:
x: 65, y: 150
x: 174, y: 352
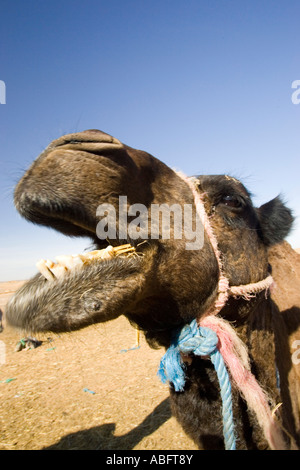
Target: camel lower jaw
x: 67, y: 263
x: 77, y: 291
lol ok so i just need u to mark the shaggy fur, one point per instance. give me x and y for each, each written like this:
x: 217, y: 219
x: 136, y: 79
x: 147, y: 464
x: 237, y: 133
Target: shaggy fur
x: 165, y: 286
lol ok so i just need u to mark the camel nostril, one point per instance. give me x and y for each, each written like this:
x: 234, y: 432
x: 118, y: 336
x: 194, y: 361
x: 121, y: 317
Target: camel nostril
x: 92, y: 305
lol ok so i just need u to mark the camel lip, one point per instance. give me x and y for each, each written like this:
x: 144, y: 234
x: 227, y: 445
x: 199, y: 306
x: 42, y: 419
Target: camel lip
x: 75, y: 141
x: 94, y: 138
x: 38, y: 209
x: 68, y: 264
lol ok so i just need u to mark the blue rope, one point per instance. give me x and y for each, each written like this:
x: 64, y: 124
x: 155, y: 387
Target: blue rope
x: 200, y: 341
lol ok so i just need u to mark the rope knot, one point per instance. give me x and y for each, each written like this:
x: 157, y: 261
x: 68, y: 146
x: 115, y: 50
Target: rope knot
x: 200, y: 341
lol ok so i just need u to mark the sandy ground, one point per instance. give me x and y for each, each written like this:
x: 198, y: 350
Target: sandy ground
x: 44, y: 404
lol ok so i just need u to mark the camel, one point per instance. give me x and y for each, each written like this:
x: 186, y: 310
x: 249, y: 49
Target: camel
x: 168, y: 283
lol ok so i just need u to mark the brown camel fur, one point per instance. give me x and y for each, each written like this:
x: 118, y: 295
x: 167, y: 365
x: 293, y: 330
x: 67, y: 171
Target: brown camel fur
x: 168, y: 285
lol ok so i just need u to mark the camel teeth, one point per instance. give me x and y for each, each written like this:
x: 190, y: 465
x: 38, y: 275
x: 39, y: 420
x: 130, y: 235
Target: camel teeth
x: 44, y: 270
x: 49, y: 263
x: 51, y: 270
x: 106, y: 253
x: 69, y: 262
x: 59, y: 271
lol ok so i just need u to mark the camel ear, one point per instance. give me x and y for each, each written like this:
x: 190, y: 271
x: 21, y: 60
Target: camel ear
x: 276, y: 221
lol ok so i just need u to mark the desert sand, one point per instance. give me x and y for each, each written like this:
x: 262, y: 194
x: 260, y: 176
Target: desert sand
x: 82, y: 391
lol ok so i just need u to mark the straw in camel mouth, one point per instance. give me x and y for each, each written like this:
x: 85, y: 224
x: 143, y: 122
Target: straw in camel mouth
x: 65, y: 263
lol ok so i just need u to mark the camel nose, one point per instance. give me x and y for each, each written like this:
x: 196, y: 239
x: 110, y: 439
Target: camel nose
x: 66, y: 183
x: 91, y: 139
x: 95, y: 132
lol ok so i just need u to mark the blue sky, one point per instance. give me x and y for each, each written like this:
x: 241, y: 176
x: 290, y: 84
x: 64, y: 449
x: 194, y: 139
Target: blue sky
x: 203, y: 85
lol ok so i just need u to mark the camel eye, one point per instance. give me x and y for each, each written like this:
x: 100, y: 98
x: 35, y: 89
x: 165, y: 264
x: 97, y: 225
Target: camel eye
x: 231, y: 201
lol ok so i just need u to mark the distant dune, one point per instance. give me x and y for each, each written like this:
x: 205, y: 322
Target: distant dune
x: 7, y: 289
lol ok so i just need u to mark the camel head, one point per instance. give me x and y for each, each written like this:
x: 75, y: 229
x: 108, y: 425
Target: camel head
x: 82, y: 178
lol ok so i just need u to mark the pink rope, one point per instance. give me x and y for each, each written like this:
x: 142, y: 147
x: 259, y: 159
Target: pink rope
x: 203, y: 215
x: 236, y: 358
x: 249, y: 290
x: 233, y: 350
